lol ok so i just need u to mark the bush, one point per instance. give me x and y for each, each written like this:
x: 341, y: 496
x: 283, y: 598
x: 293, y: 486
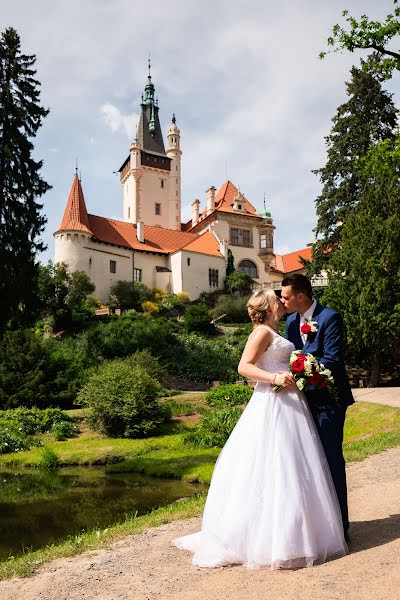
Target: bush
x: 37, y: 372
x: 64, y: 430
x: 198, y: 318
x: 122, y: 337
x: 148, y: 362
x: 48, y: 459
x: 225, y: 396
x: 131, y: 294
x: 214, y: 428
x: 234, y: 309
x: 123, y: 400
x: 33, y: 420
x: 150, y: 307
x: 200, y: 359
x: 239, y: 282
x: 13, y: 439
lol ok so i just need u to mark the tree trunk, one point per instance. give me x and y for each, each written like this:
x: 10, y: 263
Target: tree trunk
x: 375, y: 371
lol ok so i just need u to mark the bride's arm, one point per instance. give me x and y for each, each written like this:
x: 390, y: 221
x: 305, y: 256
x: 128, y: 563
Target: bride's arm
x: 256, y: 345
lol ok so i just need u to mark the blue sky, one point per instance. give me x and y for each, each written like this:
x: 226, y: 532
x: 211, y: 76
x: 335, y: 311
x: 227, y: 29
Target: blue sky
x: 250, y: 95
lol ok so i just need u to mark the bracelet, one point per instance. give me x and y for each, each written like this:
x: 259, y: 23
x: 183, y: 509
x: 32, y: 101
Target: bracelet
x: 273, y: 380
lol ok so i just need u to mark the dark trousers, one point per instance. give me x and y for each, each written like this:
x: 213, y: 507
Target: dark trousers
x: 329, y: 421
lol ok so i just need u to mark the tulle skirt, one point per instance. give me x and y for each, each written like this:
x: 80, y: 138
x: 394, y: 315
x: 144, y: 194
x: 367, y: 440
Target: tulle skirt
x: 271, y: 502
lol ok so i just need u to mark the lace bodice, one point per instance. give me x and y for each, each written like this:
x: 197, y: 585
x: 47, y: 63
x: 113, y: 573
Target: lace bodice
x: 276, y: 357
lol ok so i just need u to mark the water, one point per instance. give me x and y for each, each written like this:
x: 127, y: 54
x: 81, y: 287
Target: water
x: 38, y: 508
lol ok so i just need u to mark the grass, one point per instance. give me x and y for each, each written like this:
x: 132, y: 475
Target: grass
x: 370, y: 429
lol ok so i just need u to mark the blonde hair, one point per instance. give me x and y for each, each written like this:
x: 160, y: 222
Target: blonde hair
x: 262, y: 305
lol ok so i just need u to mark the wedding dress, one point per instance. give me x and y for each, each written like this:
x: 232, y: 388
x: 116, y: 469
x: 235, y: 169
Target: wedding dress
x: 271, y: 501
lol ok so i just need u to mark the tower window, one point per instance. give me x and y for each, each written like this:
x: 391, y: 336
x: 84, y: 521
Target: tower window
x: 129, y: 212
x: 177, y: 193
x: 263, y: 240
x: 162, y: 183
x: 113, y: 266
x: 188, y: 262
x: 137, y: 274
x: 158, y: 208
x: 177, y: 180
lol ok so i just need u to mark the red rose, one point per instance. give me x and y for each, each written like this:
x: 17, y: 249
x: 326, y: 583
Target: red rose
x: 302, y: 357
x: 322, y: 384
x: 315, y: 379
x: 298, y: 366
x: 305, y: 328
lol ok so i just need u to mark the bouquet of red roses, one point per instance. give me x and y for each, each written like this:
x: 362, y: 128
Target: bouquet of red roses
x: 308, y: 371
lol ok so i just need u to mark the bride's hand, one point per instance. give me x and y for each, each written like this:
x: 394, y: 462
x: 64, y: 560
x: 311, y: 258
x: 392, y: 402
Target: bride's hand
x: 285, y: 379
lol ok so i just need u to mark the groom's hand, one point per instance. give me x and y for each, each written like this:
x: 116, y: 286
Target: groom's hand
x: 285, y: 379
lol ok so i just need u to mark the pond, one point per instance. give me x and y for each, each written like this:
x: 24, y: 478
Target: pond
x: 38, y: 508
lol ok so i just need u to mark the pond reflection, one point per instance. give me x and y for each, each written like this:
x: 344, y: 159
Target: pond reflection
x: 38, y: 508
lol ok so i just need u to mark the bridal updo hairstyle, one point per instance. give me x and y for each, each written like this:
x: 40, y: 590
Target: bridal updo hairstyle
x: 262, y: 305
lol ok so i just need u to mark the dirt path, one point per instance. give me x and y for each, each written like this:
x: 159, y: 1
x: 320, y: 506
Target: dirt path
x: 148, y: 567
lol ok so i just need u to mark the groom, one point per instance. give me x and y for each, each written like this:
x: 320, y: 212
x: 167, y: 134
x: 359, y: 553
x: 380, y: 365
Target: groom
x: 318, y: 330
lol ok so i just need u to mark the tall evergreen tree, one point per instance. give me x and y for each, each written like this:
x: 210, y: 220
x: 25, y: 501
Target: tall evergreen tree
x: 368, y: 117
x: 21, y: 221
x: 364, y: 282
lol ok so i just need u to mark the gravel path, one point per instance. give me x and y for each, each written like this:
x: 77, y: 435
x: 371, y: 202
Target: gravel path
x: 148, y: 567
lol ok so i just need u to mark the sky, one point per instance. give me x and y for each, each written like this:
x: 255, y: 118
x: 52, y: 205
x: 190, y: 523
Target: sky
x: 252, y: 99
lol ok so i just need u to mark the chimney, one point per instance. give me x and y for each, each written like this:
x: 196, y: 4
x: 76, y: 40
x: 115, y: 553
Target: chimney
x: 195, y: 211
x: 210, y: 199
x: 140, y: 231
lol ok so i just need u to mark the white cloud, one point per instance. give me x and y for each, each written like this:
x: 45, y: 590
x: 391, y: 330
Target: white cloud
x: 116, y: 121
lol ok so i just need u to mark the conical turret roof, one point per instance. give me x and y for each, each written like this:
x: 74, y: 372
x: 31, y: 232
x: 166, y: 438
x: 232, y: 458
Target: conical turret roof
x: 75, y: 216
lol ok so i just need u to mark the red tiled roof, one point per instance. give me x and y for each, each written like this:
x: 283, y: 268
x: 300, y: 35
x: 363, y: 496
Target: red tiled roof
x: 156, y: 239
x: 287, y: 263
x: 226, y: 196
x: 75, y: 216
x: 205, y: 243
x: 223, y: 203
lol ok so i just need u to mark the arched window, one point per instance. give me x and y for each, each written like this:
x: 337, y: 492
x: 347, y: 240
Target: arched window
x: 248, y: 267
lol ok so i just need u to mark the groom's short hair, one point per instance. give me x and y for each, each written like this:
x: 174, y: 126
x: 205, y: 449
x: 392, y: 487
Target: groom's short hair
x: 299, y: 283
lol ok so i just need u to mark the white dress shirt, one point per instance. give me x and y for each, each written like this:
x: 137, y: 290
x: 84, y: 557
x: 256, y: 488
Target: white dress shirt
x: 307, y: 315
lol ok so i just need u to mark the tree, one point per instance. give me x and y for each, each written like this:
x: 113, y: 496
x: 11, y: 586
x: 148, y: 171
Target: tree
x: 230, y: 266
x: 368, y: 34
x: 368, y: 117
x: 62, y: 294
x: 239, y: 282
x: 131, y: 294
x: 364, y: 283
x: 21, y: 221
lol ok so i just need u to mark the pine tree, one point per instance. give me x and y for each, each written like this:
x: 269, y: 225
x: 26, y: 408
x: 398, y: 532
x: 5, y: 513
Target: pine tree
x: 368, y: 117
x: 364, y: 283
x: 21, y: 221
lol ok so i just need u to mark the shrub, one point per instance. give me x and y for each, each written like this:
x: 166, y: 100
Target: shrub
x: 228, y: 395
x: 123, y: 400
x: 13, y: 439
x: 131, y: 294
x: 148, y: 362
x: 198, y: 318
x: 48, y: 459
x: 122, y: 337
x: 64, y: 430
x: 33, y: 420
x: 150, y: 307
x: 214, y: 428
x: 234, y: 309
x: 239, y: 282
x: 201, y: 359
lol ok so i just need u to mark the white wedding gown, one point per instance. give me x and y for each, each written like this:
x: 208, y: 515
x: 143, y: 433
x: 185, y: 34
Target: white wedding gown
x: 271, y: 501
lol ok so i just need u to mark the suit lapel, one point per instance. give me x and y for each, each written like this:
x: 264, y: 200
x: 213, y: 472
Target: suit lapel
x: 314, y: 317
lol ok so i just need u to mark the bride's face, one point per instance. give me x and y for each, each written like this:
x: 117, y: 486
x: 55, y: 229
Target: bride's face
x: 280, y: 309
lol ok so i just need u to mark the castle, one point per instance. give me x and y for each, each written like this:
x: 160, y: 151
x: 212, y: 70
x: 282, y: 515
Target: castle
x: 151, y: 244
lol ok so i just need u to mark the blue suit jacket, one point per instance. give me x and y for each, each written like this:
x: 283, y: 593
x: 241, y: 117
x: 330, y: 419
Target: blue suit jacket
x: 327, y: 347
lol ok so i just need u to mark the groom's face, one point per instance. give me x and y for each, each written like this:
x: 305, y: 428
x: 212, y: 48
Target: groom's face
x: 290, y: 300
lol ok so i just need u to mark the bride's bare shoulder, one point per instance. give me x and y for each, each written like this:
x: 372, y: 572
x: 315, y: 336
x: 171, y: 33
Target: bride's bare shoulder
x: 262, y: 334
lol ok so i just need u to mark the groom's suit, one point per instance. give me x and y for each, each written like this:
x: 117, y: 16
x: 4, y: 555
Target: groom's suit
x: 327, y: 346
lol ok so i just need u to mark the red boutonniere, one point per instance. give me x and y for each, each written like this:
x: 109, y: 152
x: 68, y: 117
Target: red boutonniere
x: 309, y: 326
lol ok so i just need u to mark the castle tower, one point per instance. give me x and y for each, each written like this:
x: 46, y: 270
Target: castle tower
x: 74, y: 233
x: 150, y: 176
x: 174, y: 153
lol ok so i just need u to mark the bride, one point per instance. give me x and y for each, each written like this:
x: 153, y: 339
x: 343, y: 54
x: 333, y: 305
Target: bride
x: 271, y: 501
